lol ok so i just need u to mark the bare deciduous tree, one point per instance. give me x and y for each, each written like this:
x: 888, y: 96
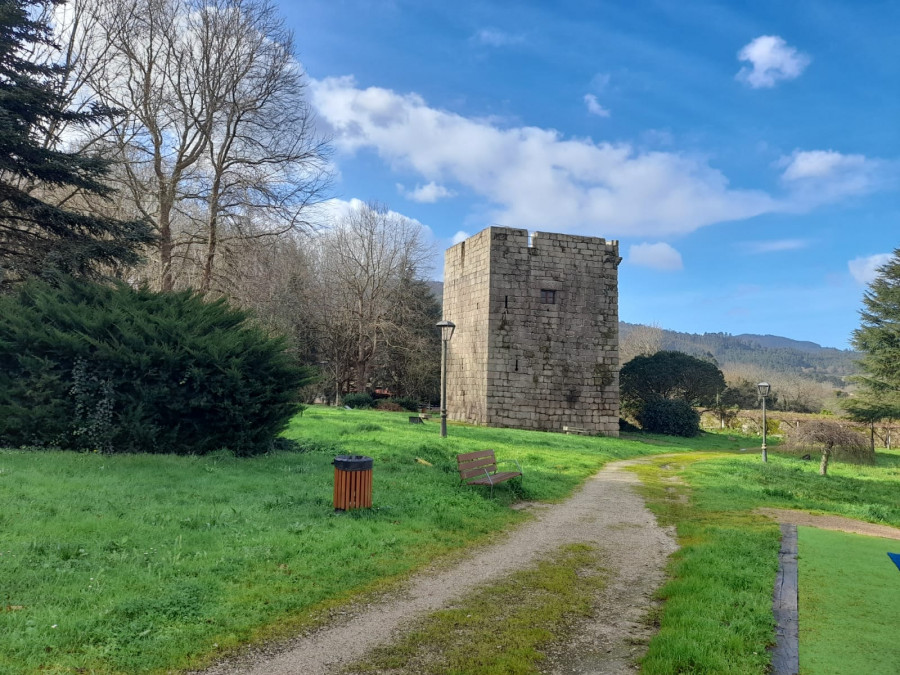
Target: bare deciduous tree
x: 213, y: 127
x: 640, y: 340
x: 365, y: 260
x: 829, y: 435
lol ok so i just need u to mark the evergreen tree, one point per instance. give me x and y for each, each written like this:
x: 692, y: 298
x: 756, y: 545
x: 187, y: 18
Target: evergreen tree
x: 878, y: 338
x: 37, y: 236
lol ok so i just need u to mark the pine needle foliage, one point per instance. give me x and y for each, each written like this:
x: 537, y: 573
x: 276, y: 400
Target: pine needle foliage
x: 36, y: 233
x: 113, y: 369
x: 878, y: 338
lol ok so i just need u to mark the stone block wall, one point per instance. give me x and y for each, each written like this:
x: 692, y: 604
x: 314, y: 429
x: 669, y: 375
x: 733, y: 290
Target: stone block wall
x: 536, y: 344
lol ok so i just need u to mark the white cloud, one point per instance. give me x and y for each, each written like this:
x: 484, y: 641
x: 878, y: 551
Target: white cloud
x: 493, y: 37
x: 775, y: 246
x: 658, y: 256
x: 771, y: 60
x: 822, y: 176
x: 865, y: 269
x: 324, y: 214
x: 426, y: 194
x: 594, y: 107
x: 533, y: 177
x: 462, y: 235
x: 820, y: 164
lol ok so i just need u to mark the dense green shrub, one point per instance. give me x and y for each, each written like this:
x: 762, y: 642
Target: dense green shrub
x: 91, y: 367
x: 362, y: 400
x: 406, y: 403
x: 669, y: 416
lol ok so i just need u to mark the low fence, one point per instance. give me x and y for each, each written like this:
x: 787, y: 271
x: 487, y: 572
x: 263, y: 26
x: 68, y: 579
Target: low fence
x: 885, y: 434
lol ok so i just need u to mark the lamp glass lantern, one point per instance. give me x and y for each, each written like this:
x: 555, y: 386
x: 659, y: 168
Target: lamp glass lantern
x: 447, y: 328
x: 763, y: 388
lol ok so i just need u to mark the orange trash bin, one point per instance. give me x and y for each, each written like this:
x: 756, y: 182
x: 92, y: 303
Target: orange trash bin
x: 352, y: 482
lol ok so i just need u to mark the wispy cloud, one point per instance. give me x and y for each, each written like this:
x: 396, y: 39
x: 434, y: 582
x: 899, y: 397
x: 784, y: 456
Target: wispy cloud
x: 823, y: 176
x: 775, y: 245
x: 865, y: 269
x: 493, y: 37
x: 462, y: 235
x: 426, y: 194
x: 658, y: 256
x: 594, y: 107
x: 529, y: 176
x: 771, y: 61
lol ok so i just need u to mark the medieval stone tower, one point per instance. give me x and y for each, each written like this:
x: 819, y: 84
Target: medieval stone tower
x: 537, y: 331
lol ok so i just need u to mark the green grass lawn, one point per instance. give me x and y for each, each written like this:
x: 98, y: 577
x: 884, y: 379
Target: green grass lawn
x: 145, y: 563
x: 849, y: 604
x: 717, y: 616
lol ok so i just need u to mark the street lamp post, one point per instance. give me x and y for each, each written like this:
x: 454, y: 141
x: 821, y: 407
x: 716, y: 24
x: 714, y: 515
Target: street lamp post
x: 447, y: 328
x: 763, y: 389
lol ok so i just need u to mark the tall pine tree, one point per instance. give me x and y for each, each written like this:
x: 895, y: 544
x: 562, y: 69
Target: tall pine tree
x: 878, y: 338
x: 36, y: 235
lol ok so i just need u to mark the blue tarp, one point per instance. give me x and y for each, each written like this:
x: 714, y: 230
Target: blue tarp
x: 896, y: 558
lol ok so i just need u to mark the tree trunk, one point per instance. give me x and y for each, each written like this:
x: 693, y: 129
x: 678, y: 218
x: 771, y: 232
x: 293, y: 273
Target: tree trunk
x: 212, y: 227
x: 872, y: 437
x: 823, y: 467
x: 166, y: 245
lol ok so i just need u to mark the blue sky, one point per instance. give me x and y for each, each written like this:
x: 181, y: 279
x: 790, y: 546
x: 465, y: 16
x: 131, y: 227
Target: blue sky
x: 745, y: 155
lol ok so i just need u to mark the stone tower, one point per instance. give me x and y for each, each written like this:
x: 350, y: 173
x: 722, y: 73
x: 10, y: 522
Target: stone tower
x: 537, y: 331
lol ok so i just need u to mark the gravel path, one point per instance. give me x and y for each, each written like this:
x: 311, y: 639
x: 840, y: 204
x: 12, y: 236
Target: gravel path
x: 828, y: 522
x: 606, y: 512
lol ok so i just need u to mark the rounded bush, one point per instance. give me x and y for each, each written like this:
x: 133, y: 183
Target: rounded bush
x: 406, y: 403
x: 361, y: 400
x: 113, y: 369
x: 670, y: 417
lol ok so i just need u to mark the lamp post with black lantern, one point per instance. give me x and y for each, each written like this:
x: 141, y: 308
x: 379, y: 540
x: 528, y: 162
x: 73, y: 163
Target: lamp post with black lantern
x: 447, y: 328
x: 763, y: 389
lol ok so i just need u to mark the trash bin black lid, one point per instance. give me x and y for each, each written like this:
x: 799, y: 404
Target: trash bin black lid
x: 352, y: 463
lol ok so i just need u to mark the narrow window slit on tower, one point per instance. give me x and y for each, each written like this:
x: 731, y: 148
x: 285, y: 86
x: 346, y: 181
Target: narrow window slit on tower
x: 517, y: 365
x: 505, y: 302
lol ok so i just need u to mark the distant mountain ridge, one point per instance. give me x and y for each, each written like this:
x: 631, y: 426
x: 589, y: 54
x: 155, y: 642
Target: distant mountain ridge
x: 766, y: 352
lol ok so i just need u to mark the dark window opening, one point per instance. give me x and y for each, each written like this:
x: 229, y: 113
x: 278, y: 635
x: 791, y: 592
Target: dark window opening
x: 517, y: 365
x: 548, y: 297
x: 505, y: 302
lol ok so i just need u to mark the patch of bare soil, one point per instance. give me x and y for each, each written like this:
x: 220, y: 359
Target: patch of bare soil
x: 828, y: 522
x: 606, y: 512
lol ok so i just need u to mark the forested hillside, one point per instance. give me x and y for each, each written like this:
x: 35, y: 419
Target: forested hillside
x: 766, y: 352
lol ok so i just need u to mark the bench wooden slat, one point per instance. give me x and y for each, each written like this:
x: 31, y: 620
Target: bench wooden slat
x: 476, y: 463
x: 494, y: 479
x: 468, y: 473
x: 468, y: 456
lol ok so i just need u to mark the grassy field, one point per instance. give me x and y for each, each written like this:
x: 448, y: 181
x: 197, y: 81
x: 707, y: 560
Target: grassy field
x: 131, y: 563
x: 717, y: 616
x: 849, y: 604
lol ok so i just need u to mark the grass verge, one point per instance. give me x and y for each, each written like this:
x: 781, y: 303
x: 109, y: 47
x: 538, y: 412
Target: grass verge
x: 147, y: 563
x: 499, y: 628
x: 849, y: 595
x: 717, y: 616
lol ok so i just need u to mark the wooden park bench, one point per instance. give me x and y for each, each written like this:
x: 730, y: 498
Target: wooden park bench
x: 480, y: 468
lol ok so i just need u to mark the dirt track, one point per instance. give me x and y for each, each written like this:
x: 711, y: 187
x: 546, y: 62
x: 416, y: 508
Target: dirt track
x: 827, y: 522
x: 606, y: 512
